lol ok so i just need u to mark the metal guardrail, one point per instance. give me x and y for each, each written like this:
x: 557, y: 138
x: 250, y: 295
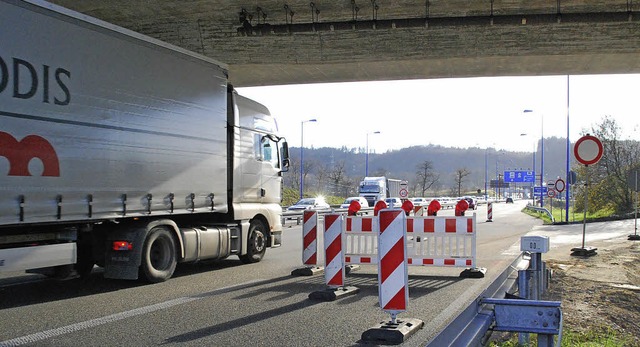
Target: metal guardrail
x: 297, y: 215
x: 471, y: 325
x: 541, y: 210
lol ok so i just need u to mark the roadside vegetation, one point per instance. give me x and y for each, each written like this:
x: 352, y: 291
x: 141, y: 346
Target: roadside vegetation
x: 597, y: 337
x: 559, y: 215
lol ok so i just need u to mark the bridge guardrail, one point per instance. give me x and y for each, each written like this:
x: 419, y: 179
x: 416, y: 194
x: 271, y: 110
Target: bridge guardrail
x: 471, y: 325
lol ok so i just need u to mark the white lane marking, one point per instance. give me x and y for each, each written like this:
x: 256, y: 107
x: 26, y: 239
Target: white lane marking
x: 43, y: 335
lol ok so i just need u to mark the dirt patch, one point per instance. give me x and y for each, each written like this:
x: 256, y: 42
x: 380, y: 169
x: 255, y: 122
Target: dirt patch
x: 601, y: 291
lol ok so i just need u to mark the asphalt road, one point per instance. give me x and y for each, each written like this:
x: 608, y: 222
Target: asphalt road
x: 226, y: 303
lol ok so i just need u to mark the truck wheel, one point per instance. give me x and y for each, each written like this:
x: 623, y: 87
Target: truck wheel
x: 257, y: 245
x: 158, y: 255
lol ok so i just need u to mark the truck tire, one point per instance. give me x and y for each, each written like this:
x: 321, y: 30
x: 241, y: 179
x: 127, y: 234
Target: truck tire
x: 159, y: 257
x: 257, y: 243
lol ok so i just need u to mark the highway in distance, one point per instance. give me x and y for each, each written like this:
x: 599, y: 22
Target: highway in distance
x: 226, y: 303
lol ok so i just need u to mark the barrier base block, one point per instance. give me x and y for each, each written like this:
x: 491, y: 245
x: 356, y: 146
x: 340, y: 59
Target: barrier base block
x: 307, y: 271
x: 332, y: 294
x: 584, y: 252
x: 392, y: 333
x: 476, y: 272
x: 489, y: 220
x: 634, y: 237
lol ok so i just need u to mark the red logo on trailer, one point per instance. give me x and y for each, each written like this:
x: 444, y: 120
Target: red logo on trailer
x: 20, y: 153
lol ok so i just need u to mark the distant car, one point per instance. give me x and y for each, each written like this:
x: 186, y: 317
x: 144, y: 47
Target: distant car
x: 363, y: 202
x: 509, y: 201
x: 393, y: 202
x: 420, y: 201
x: 317, y: 204
x: 473, y: 204
x: 446, y: 202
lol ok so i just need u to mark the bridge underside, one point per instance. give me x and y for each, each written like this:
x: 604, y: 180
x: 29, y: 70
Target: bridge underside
x: 451, y: 39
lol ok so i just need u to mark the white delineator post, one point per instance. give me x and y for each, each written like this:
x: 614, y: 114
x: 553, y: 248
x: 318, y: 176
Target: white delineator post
x: 393, y: 276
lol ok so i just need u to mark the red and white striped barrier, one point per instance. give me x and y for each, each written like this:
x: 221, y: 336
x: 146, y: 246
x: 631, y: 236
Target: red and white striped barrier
x: 442, y: 241
x: 431, y: 241
x: 310, y: 238
x: 361, y: 240
x: 334, y: 257
x: 309, y: 245
x: 489, y: 211
x: 393, y: 289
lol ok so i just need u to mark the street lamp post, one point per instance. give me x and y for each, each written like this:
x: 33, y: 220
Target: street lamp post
x: 567, y: 163
x: 541, y: 155
x: 302, y: 153
x: 533, y: 197
x: 486, y: 174
x: 366, y: 165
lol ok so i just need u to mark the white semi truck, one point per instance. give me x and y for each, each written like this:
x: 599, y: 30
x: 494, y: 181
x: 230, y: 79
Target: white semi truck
x: 125, y: 152
x: 378, y: 188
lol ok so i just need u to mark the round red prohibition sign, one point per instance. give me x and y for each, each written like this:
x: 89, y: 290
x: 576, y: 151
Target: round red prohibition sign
x: 588, y: 150
x: 551, y: 193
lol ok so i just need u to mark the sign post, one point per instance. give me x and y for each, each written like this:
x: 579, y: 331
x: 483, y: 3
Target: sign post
x: 633, y: 182
x: 588, y: 150
x: 559, y: 184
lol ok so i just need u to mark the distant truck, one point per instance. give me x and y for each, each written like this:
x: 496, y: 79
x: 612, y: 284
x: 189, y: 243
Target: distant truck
x: 125, y: 152
x: 379, y: 188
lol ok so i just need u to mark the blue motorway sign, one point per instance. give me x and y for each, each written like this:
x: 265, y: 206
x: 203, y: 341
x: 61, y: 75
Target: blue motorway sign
x: 540, y: 191
x: 519, y: 176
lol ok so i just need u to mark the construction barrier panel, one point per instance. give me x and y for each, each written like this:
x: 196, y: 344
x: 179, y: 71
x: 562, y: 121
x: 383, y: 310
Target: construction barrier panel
x: 310, y: 238
x: 489, y: 211
x: 393, y: 281
x: 393, y: 289
x: 334, y: 271
x: 431, y: 240
x: 361, y: 236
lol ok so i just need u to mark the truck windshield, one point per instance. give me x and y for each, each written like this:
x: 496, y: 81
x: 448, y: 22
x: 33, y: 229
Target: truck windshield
x: 369, y: 188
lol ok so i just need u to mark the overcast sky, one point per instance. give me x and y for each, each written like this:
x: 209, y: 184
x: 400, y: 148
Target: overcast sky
x: 470, y: 112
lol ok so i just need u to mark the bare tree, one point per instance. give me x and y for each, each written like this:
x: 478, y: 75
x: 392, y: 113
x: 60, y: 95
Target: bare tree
x: 321, y: 175
x: 608, y: 186
x: 306, y: 170
x: 337, y: 174
x: 460, y: 175
x: 292, y: 178
x: 426, y: 176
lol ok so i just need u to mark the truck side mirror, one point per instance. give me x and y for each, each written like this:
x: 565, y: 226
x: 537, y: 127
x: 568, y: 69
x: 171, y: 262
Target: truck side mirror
x: 285, y: 157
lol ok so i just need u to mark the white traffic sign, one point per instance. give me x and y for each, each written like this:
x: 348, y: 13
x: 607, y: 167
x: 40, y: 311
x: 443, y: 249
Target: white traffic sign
x: 404, y: 193
x: 588, y: 150
x: 560, y: 185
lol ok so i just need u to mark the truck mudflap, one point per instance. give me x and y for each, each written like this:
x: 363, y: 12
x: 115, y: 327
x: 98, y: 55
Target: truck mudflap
x: 125, y: 264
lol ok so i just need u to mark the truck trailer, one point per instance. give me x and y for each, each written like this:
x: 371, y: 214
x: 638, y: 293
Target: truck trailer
x: 125, y: 152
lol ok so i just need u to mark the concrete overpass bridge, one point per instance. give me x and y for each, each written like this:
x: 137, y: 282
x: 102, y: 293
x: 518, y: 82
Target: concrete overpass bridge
x: 267, y: 42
